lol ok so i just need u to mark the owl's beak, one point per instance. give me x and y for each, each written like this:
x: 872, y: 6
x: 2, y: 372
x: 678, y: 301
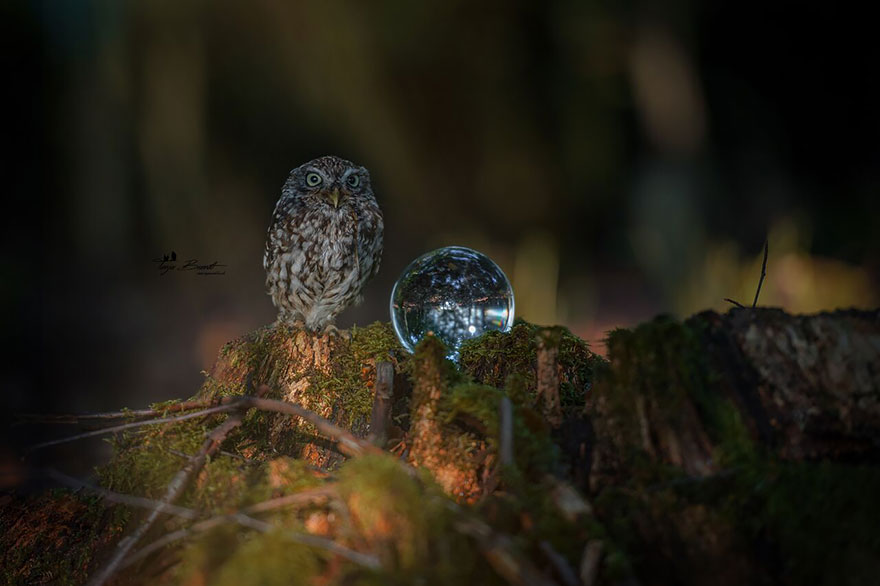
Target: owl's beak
x: 334, y: 197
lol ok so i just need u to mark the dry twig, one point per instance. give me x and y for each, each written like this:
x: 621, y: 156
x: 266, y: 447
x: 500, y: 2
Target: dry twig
x: 560, y: 564
x: 589, y: 569
x: 75, y: 418
x: 505, y: 423
x: 115, y: 428
x: 763, y: 272
x: 760, y: 281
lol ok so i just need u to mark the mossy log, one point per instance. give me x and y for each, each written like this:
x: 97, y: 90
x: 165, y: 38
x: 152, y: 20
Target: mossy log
x: 736, y: 448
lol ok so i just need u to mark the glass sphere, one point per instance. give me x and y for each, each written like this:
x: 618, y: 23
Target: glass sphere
x: 454, y: 292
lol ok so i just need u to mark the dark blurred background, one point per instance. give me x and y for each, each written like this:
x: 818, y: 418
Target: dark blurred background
x: 617, y: 161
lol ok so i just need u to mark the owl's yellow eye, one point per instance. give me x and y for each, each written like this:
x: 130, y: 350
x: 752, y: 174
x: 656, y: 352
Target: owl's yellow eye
x: 353, y: 181
x: 313, y: 180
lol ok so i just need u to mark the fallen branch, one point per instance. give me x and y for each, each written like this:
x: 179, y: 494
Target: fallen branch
x: 242, y: 518
x: 74, y: 418
x: 106, y: 430
x: 348, y: 443
x: 760, y: 281
x: 123, y: 499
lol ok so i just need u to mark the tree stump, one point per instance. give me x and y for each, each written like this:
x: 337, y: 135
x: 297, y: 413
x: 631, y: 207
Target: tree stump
x: 331, y: 375
x: 741, y: 448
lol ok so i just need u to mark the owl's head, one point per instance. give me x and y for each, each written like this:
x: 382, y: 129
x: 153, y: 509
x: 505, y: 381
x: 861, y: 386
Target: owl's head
x: 328, y: 180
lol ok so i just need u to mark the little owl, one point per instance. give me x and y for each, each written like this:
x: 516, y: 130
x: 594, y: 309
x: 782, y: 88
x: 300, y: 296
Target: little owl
x: 324, y: 242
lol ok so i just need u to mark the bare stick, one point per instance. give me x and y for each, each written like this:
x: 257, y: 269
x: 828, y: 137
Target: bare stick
x: 243, y: 519
x: 348, y: 443
x: 737, y: 303
x: 175, y: 488
x: 499, y: 551
x: 505, y: 424
x: 381, y: 416
x: 590, y: 562
x: 763, y: 271
x: 74, y: 418
x: 560, y: 564
x: 548, y: 376
x: 297, y: 498
x: 116, y: 428
x: 303, y: 497
x: 124, y: 499
x: 760, y: 281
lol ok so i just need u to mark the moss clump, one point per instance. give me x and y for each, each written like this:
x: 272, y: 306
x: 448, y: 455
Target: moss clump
x: 348, y: 381
x: 145, y: 461
x: 408, y: 519
x: 495, y: 356
x: 225, y: 558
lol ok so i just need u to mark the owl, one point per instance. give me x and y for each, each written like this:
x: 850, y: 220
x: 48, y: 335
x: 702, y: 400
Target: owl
x: 324, y: 242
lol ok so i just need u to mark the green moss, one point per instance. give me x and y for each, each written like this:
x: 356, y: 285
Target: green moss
x: 492, y: 357
x: 495, y: 356
x: 264, y: 559
x: 145, y: 461
x: 408, y: 520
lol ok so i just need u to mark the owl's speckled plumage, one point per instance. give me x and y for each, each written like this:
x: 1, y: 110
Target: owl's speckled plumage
x: 324, y: 242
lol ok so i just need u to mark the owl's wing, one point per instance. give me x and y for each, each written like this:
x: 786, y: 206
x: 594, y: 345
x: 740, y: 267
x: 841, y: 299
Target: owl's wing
x: 370, y: 232
x: 275, y: 235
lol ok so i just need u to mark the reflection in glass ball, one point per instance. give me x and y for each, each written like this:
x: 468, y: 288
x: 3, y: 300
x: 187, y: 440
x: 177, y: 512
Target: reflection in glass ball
x: 456, y: 293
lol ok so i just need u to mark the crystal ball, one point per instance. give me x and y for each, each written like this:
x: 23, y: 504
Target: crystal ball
x: 454, y: 292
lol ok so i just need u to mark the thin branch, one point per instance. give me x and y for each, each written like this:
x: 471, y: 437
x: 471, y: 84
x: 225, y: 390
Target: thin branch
x: 589, y: 569
x: 124, y: 499
x: 297, y: 498
x: 115, y: 428
x: 243, y: 519
x: 760, y: 281
x: 737, y: 303
x: 348, y: 443
x: 502, y: 555
x: 763, y: 271
x: 560, y: 564
x: 75, y: 418
x: 505, y: 423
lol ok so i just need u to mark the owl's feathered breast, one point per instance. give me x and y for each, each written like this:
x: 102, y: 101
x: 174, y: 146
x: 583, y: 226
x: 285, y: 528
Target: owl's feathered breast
x: 319, y: 258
